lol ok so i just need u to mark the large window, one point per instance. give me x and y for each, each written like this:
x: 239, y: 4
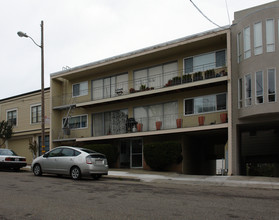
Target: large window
x: 271, y: 85
x: 36, y: 114
x: 156, y: 76
x: 205, y: 61
x: 258, y: 38
x: 239, y: 47
x: 247, y: 42
x: 12, y: 117
x: 75, y: 122
x: 109, y: 87
x: 240, y: 94
x: 270, y: 36
x: 259, y: 87
x: 203, y: 104
x: 248, y: 89
x: 107, y: 123
x: 80, y: 89
x: 167, y: 113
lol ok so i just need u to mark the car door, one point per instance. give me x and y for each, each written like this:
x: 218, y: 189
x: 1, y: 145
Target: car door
x: 66, y: 160
x: 50, y: 161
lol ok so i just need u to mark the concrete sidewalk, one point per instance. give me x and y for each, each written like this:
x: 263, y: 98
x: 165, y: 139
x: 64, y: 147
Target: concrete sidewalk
x: 175, y: 178
x: 169, y: 177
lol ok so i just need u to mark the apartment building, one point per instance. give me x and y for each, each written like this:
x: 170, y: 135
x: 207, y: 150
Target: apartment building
x: 176, y: 91
x: 255, y: 128
x: 215, y: 92
x: 24, y: 113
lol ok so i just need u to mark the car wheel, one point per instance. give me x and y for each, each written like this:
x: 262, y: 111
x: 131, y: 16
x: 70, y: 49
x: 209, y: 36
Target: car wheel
x: 37, y: 170
x: 96, y: 176
x: 75, y: 173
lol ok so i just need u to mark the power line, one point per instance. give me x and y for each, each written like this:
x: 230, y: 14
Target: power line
x: 205, y: 15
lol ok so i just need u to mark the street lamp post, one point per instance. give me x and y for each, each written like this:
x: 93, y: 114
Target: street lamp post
x: 21, y: 34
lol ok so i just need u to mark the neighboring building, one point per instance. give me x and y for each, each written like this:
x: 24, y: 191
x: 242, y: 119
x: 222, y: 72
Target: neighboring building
x: 24, y: 113
x: 255, y: 55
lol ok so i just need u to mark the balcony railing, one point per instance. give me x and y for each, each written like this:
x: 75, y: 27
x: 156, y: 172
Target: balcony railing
x: 142, y: 84
x: 149, y: 124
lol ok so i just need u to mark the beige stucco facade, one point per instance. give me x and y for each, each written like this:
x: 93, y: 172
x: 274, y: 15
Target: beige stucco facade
x: 24, y: 129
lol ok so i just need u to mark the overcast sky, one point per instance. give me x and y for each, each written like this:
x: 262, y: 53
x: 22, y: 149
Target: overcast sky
x: 78, y: 32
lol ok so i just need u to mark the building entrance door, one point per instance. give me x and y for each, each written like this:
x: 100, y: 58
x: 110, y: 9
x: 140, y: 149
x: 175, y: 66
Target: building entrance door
x: 136, y: 153
x: 131, y: 153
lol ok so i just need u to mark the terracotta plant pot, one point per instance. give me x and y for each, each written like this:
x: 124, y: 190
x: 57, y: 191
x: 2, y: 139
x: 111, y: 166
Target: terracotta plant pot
x: 158, y: 125
x: 201, y: 120
x: 179, y: 123
x: 224, y: 117
x: 139, y: 127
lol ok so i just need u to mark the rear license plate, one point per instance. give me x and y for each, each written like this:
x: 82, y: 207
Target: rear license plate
x: 99, y: 162
x: 16, y: 159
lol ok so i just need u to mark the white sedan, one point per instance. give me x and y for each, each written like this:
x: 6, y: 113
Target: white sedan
x: 10, y: 160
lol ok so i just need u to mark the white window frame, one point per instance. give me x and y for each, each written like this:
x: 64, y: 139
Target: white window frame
x: 256, y: 86
x: 12, y: 110
x: 270, y: 36
x: 274, y: 85
x: 248, y: 100
x: 240, y: 92
x: 247, y: 42
x: 198, y: 97
x: 76, y: 116
x: 39, y: 115
x: 258, y: 38
x: 82, y: 92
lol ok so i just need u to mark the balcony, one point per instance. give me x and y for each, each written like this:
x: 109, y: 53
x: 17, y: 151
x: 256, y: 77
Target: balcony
x: 144, y: 86
x: 123, y: 127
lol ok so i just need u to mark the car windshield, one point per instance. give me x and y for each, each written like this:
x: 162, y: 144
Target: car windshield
x: 7, y: 152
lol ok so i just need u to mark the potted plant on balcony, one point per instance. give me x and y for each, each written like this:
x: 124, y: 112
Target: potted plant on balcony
x: 224, y: 117
x: 198, y: 76
x: 142, y: 87
x: 132, y: 90
x: 139, y: 127
x: 209, y: 73
x: 179, y: 122
x: 176, y: 80
x: 201, y: 120
x: 158, y: 125
x: 187, y: 78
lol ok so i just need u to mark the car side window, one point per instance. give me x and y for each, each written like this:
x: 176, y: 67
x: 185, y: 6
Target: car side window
x: 76, y: 153
x: 67, y: 152
x: 55, y: 153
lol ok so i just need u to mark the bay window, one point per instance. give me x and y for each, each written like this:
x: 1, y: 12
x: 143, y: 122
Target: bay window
x: 259, y: 87
x: 271, y: 85
x: 247, y: 42
x: 270, y: 38
x: 248, y: 89
x: 258, y: 38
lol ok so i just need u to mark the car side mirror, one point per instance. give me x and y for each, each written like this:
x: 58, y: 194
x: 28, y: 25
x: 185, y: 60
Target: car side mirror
x: 45, y: 155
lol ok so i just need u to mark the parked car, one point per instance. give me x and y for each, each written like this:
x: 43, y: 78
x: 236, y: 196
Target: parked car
x: 73, y: 161
x: 10, y: 160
